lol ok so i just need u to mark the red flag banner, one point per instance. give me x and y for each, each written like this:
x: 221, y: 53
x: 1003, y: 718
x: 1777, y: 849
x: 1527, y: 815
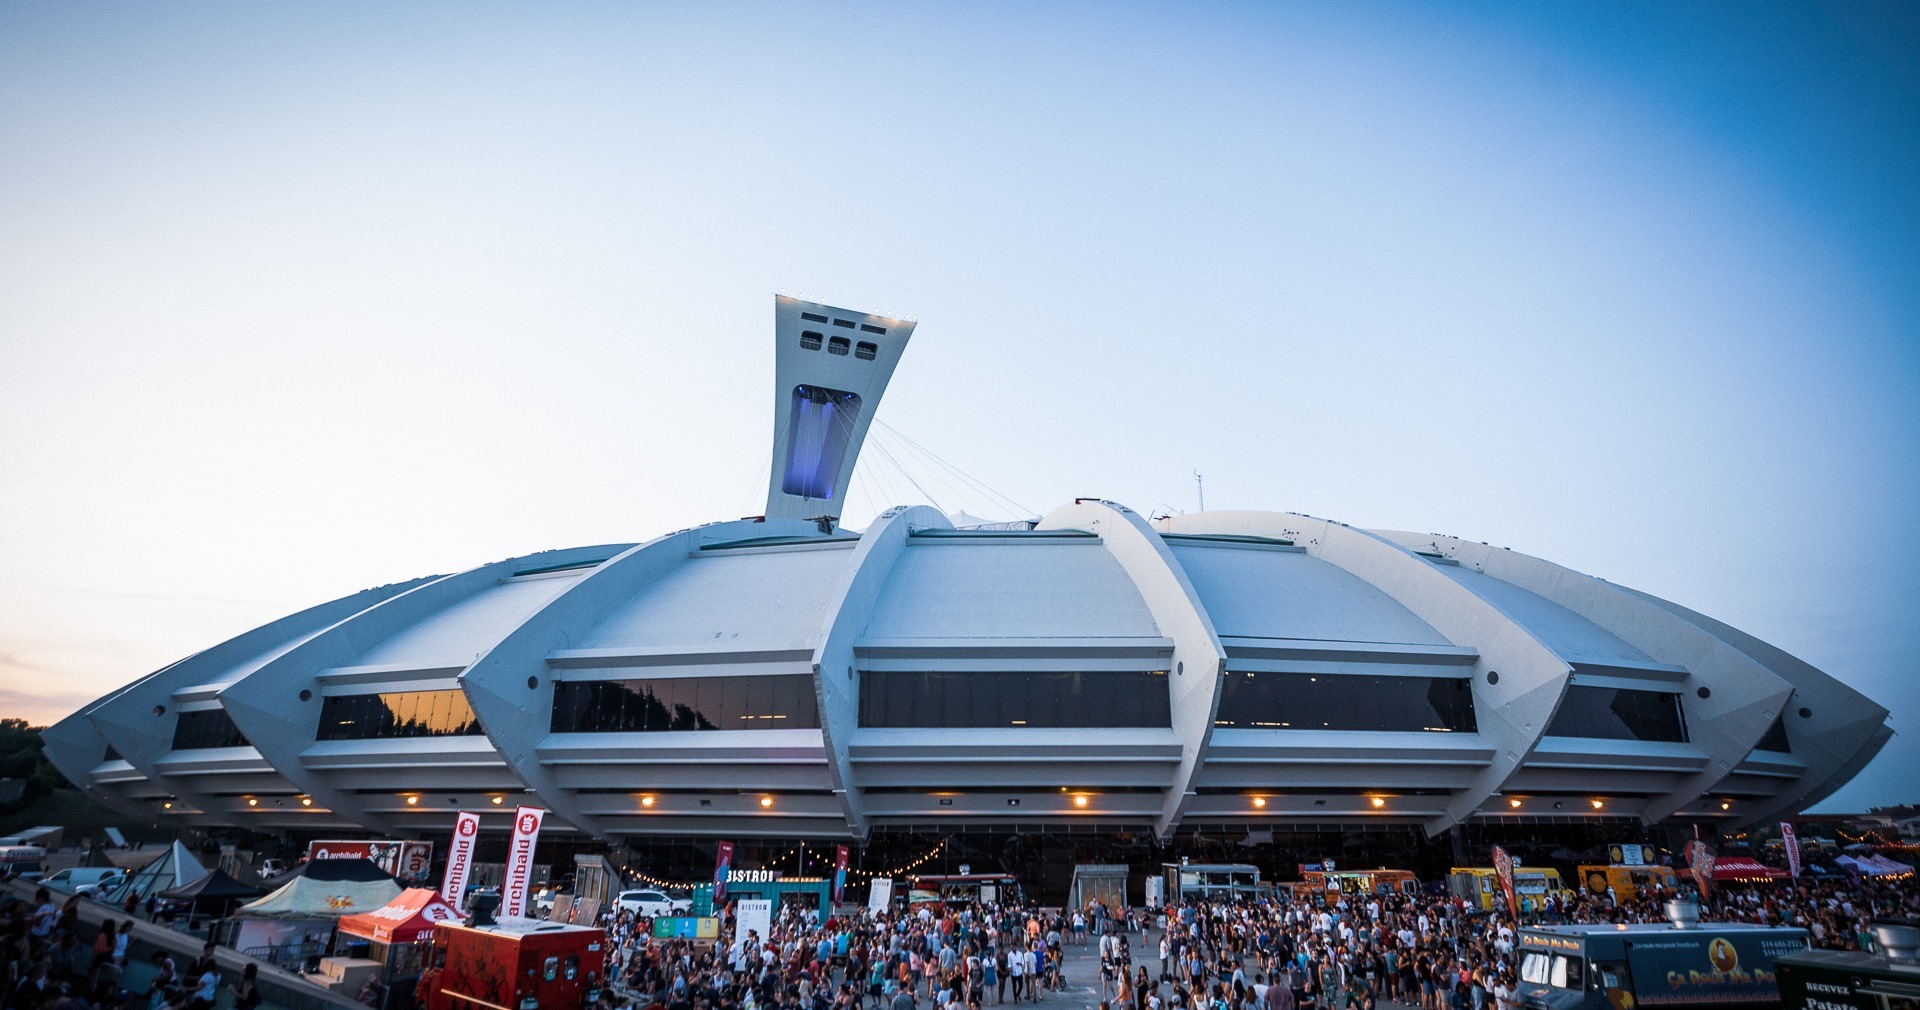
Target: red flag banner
x: 1793, y: 847
x: 722, y: 865
x: 466, y: 832
x: 519, y: 875
x: 1503, y: 868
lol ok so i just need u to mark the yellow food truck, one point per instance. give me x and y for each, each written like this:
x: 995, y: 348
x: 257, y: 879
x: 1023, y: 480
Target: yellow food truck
x: 1481, y: 885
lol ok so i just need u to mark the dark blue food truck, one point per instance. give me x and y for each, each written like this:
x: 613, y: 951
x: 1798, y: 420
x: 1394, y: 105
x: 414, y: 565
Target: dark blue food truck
x: 1853, y: 980
x: 1622, y: 967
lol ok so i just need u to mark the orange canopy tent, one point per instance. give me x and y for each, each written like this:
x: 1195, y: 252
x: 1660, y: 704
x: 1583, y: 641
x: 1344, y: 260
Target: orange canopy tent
x: 405, y: 919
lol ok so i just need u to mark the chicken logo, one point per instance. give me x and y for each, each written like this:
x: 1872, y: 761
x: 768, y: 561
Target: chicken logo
x: 529, y: 824
x: 1722, y: 954
x: 339, y: 901
x: 469, y: 826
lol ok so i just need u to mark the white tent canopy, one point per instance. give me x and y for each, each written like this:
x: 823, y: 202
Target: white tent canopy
x: 306, y: 898
x: 176, y: 867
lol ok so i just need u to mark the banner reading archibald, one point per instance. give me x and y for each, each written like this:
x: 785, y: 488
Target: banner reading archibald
x: 466, y: 831
x: 1503, y: 868
x: 1792, y: 844
x: 519, y: 875
x: 840, y: 874
x: 722, y: 863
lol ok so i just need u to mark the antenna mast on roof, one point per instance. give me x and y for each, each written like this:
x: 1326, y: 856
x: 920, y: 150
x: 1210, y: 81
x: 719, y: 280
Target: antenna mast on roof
x: 1200, y: 483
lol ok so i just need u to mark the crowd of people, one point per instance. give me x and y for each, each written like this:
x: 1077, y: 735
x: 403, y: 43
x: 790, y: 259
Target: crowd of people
x: 1348, y: 952
x: 54, y: 962
x: 1434, y: 952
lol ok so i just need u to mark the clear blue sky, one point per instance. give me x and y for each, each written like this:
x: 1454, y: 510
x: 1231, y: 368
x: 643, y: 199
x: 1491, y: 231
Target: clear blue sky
x: 300, y: 298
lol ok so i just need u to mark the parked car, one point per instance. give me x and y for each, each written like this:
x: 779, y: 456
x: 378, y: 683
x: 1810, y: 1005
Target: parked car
x: 86, y: 880
x: 652, y: 904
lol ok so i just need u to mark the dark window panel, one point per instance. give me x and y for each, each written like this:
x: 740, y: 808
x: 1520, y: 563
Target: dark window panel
x: 686, y: 704
x: 207, y: 729
x: 1346, y: 702
x: 1776, y: 738
x: 1035, y: 700
x: 396, y: 715
x: 1614, y: 713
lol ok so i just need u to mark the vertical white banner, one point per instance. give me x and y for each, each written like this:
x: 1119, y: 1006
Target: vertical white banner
x: 753, y: 915
x: 466, y: 832
x: 1792, y: 844
x: 519, y: 876
x: 880, y: 893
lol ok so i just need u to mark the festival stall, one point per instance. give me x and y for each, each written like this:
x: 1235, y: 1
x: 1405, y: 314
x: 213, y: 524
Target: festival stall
x: 1727, y: 869
x: 393, y: 932
x: 214, y: 893
x: 1874, y: 865
x: 291, y: 926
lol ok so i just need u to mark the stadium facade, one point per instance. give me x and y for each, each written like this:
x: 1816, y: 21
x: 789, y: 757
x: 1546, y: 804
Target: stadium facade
x: 782, y: 677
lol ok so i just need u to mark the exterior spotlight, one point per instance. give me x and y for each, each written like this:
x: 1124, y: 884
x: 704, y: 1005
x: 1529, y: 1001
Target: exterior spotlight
x: 1598, y: 804
x: 1080, y: 801
x: 252, y: 802
x: 765, y: 802
x: 1379, y: 801
x: 1514, y: 802
x: 1260, y: 801
x: 1726, y: 804
x: 413, y: 801
x: 167, y: 805
x: 497, y: 800
x: 647, y: 801
x: 306, y: 801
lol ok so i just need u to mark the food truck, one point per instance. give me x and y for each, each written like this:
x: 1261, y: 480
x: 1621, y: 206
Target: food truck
x: 1210, y: 881
x: 1627, y: 882
x: 1852, y: 980
x: 1609, y: 966
x: 1481, y: 885
x: 1326, y: 887
x: 938, y: 890
x: 514, y: 964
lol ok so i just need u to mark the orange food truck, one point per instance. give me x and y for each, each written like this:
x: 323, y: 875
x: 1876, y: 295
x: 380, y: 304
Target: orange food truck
x: 1323, y: 886
x: 519, y: 964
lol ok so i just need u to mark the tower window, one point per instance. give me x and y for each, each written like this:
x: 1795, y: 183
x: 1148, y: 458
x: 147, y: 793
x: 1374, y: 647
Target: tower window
x: 865, y: 350
x: 839, y: 345
x: 848, y: 323
x: 813, y: 317
x: 811, y: 339
x: 820, y: 424
x: 870, y: 328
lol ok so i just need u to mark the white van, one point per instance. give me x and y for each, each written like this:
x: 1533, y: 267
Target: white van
x: 87, y: 880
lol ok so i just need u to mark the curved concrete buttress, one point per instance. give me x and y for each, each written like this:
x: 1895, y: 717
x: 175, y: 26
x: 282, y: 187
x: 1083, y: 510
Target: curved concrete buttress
x: 1743, y: 697
x: 1813, y: 797
x: 144, y: 738
x: 1840, y: 726
x: 75, y: 746
x: 516, y: 717
x: 1512, y: 714
x: 264, y: 702
x: 1199, y: 659
x: 833, y: 660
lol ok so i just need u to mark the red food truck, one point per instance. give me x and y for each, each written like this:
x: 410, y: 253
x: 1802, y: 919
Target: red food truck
x: 519, y: 964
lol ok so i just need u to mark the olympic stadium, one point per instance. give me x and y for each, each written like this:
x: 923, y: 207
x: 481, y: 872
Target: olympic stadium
x: 783, y: 677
